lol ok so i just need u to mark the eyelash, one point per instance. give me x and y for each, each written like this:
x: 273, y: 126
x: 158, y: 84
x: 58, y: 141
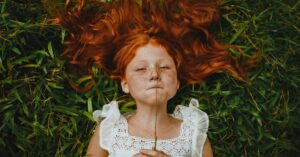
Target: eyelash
x: 162, y: 67
x: 140, y: 69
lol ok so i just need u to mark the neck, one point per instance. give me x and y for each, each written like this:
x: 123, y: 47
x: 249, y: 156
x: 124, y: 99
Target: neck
x: 146, y: 114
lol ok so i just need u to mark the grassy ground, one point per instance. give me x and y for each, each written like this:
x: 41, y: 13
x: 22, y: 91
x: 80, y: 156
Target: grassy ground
x: 41, y: 116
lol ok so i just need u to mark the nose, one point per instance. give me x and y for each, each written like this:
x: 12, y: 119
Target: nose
x: 155, y: 74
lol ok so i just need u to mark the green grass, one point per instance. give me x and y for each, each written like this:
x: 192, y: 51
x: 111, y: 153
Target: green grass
x: 41, y: 116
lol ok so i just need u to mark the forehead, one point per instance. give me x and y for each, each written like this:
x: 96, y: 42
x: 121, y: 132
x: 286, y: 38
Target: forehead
x: 151, y: 52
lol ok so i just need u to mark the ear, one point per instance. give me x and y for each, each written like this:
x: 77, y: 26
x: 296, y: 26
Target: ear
x: 178, y: 84
x: 124, y: 86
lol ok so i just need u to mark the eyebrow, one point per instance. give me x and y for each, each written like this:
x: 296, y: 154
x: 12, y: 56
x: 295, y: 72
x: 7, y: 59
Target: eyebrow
x: 144, y: 61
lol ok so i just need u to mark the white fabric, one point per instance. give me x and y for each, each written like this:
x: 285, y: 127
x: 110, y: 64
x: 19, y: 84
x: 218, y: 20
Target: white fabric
x: 114, y: 136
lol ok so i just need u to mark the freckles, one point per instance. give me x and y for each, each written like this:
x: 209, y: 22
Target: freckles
x: 171, y: 75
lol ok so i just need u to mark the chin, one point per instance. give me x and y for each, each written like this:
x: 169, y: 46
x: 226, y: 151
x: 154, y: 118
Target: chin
x: 156, y: 101
x: 150, y: 100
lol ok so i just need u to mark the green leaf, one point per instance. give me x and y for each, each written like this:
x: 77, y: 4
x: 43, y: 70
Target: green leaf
x: 1, y: 65
x: 63, y: 35
x: 50, y: 50
x: 18, y: 96
x: 88, y: 115
x: 55, y: 85
x: 66, y: 110
x: 16, y: 50
x: 90, y: 105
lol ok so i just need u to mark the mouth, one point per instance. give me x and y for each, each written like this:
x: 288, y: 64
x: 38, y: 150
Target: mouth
x: 155, y: 87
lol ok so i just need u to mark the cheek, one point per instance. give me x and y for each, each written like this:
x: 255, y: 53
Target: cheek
x: 135, y: 82
x: 172, y: 84
x: 171, y: 77
x: 171, y: 81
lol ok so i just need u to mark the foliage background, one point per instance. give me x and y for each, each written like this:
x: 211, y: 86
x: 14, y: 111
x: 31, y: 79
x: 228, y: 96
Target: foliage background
x: 41, y: 116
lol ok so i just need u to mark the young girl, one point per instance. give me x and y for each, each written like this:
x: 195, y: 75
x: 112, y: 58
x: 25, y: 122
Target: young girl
x: 152, y: 48
x: 151, y: 79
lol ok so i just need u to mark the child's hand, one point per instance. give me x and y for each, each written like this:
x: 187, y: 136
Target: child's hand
x: 151, y: 153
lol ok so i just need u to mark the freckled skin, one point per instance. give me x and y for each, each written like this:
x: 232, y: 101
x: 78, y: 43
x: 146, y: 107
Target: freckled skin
x: 152, y: 66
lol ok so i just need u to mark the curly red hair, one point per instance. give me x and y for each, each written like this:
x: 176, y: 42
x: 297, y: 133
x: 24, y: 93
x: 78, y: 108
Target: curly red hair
x: 108, y: 34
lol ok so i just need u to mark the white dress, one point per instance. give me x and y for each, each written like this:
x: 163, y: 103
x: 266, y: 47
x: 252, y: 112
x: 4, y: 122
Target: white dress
x: 114, y: 136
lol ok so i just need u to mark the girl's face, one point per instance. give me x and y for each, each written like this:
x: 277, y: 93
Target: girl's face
x: 150, y: 74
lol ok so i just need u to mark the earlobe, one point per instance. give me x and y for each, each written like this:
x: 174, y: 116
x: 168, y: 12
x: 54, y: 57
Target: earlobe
x: 178, y: 84
x: 126, y: 90
x: 124, y: 86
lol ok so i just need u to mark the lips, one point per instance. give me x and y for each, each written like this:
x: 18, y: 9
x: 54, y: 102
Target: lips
x: 155, y: 87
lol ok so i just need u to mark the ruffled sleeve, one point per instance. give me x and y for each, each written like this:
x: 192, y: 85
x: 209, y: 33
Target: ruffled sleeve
x: 199, y: 122
x: 111, y: 114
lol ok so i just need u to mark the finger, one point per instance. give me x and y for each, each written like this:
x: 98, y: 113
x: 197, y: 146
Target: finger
x: 149, y: 152
x: 141, y: 155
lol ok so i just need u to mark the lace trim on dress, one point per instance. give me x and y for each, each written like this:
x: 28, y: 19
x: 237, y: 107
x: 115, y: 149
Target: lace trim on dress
x: 178, y: 146
x: 114, y: 136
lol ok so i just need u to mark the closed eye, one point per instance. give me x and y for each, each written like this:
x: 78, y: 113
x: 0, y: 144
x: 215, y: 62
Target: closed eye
x: 164, y: 67
x: 140, y: 69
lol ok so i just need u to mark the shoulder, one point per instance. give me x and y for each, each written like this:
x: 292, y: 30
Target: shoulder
x: 207, y: 149
x: 107, y: 118
x: 94, y: 149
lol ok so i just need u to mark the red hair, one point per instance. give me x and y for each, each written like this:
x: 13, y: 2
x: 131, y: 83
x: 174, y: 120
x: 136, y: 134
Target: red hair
x: 108, y: 34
